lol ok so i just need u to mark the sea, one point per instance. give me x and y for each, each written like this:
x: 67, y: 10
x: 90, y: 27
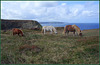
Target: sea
x: 82, y: 26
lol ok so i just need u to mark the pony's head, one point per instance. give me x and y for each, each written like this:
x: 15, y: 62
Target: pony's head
x: 56, y: 32
x: 21, y: 32
x: 23, y: 35
x: 77, y: 29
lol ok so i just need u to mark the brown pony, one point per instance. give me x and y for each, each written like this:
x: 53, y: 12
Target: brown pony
x: 17, y: 31
x: 72, y: 28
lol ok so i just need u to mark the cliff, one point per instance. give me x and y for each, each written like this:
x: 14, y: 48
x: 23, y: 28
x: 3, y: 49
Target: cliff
x: 26, y: 24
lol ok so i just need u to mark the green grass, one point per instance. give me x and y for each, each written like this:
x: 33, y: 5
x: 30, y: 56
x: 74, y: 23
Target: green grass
x: 56, y: 48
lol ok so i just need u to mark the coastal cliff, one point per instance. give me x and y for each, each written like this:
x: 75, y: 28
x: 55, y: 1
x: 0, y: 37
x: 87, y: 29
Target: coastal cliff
x: 25, y: 24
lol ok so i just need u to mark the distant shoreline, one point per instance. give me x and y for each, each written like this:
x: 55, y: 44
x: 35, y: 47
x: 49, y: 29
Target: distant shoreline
x: 84, y: 29
x: 82, y: 26
x: 61, y: 22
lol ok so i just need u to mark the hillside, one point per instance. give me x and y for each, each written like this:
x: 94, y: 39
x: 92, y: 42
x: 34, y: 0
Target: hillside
x: 54, y: 48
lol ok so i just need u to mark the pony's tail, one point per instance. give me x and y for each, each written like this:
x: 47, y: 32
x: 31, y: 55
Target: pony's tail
x: 64, y: 30
x: 13, y: 29
x: 42, y: 30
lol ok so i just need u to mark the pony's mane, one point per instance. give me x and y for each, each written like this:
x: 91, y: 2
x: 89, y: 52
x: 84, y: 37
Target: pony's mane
x: 76, y: 28
x: 21, y: 31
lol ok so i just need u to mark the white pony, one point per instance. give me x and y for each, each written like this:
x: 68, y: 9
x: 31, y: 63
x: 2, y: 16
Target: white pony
x: 49, y: 28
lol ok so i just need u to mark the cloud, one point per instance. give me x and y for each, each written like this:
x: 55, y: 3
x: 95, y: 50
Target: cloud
x: 63, y: 4
x: 49, y: 10
x: 45, y: 3
x: 88, y: 13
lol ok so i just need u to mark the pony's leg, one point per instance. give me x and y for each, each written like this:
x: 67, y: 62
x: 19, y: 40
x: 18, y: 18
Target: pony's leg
x: 67, y: 33
x: 13, y: 33
x: 44, y: 31
x: 18, y: 34
x: 76, y: 33
x: 73, y: 33
x: 64, y: 33
x: 51, y: 32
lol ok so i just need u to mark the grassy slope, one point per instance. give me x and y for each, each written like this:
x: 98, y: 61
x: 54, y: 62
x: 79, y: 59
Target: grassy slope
x: 57, y: 49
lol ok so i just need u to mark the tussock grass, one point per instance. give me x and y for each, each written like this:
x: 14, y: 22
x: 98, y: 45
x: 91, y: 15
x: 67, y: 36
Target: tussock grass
x: 56, y: 48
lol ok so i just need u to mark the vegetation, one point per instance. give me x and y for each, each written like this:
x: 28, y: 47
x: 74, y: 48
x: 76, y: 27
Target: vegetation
x: 55, y: 48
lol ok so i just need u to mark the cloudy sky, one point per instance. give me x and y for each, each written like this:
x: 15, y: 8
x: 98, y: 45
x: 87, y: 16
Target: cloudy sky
x: 52, y: 11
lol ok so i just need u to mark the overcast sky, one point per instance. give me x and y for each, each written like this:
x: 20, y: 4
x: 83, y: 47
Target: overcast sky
x: 52, y: 11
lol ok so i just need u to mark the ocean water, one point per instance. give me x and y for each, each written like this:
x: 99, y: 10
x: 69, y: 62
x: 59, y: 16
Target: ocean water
x: 82, y: 26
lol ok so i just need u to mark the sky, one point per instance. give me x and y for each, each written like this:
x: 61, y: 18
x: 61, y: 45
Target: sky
x: 51, y: 11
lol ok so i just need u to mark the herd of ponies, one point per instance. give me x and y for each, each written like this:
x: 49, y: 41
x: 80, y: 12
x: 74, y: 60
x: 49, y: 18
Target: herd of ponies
x: 67, y: 29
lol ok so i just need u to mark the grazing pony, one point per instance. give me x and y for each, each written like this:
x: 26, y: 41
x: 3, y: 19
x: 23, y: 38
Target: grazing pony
x: 72, y: 28
x: 17, y: 31
x: 49, y: 28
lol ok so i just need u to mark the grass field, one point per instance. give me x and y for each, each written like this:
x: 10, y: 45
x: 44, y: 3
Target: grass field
x: 54, y: 48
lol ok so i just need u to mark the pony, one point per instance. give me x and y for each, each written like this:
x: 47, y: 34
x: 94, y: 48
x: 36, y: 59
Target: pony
x: 17, y: 31
x: 72, y: 28
x: 49, y: 28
